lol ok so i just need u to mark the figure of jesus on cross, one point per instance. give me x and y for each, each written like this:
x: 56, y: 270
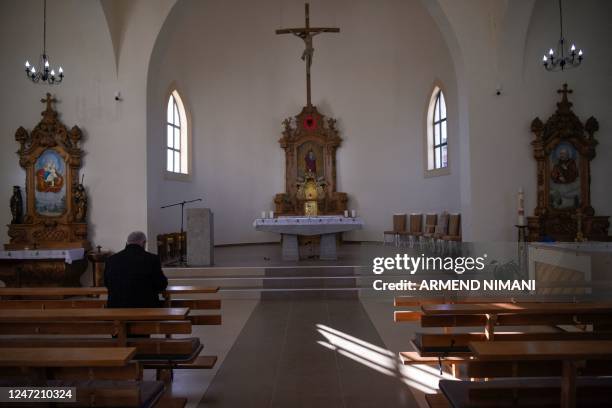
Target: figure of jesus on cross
x: 306, y: 33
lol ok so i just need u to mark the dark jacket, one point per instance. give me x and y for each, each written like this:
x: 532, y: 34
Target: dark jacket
x: 134, y: 278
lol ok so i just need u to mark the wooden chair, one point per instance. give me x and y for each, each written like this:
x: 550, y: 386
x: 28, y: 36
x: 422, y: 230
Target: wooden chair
x: 441, y: 230
x: 453, y: 237
x: 416, y: 229
x: 431, y: 221
x: 399, y: 226
x: 170, y: 246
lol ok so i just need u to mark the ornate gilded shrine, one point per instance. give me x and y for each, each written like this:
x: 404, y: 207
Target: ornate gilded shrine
x: 310, y: 141
x: 563, y: 148
x: 55, y: 205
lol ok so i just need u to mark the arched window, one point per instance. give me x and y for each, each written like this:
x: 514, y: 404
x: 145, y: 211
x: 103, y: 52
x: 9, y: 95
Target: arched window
x: 177, y: 145
x: 437, y: 132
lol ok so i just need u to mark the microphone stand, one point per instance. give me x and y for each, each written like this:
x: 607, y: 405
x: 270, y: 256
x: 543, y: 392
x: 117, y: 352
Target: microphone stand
x: 181, y: 261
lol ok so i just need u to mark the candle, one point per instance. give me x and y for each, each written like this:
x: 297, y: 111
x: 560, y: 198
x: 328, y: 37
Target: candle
x: 271, y: 214
x: 263, y: 214
x: 521, y: 207
x: 345, y: 213
x: 353, y: 213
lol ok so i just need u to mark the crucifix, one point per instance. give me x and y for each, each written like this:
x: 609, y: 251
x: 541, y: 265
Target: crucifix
x: 564, y: 91
x: 48, y: 100
x: 306, y: 33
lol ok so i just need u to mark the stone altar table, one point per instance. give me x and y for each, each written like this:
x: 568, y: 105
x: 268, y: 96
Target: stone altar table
x: 291, y: 227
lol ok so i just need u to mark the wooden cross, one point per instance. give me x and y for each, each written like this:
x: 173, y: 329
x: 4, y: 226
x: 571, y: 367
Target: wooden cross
x: 306, y: 33
x: 564, y: 91
x: 49, y: 100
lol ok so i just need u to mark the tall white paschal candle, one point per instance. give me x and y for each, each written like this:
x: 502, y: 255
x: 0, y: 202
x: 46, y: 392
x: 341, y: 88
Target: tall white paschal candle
x: 521, y: 207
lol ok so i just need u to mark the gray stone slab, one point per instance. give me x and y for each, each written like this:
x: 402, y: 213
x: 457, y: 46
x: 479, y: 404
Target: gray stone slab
x: 291, y: 251
x: 200, y: 237
x: 328, y: 250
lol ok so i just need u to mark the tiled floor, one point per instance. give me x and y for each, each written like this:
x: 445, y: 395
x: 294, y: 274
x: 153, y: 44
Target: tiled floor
x: 308, y: 353
x: 217, y: 340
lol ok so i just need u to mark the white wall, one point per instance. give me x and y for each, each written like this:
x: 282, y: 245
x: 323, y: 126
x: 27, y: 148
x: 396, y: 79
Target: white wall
x: 375, y: 77
x: 77, y: 39
x: 501, y: 43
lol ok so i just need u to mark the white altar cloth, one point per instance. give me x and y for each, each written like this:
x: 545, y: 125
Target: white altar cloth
x: 69, y: 255
x: 329, y: 224
x: 326, y: 226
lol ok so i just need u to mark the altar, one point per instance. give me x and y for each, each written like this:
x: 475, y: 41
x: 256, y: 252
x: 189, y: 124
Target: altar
x: 48, y: 230
x: 62, y: 267
x: 291, y: 227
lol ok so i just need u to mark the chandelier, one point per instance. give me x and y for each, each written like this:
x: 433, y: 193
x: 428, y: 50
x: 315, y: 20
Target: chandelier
x: 560, y: 61
x: 44, y: 72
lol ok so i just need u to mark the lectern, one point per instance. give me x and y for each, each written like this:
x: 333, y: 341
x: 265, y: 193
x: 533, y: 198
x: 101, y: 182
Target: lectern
x: 200, y: 237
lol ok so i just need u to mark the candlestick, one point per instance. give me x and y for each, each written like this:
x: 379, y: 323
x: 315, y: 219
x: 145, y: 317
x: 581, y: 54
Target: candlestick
x: 353, y: 213
x: 345, y: 213
x: 271, y: 214
x: 263, y: 214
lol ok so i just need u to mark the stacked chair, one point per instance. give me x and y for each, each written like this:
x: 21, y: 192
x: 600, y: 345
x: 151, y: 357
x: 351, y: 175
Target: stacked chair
x: 440, y: 232
x: 416, y: 230
x: 399, y: 227
x: 451, y: 240
x: 430, y: 228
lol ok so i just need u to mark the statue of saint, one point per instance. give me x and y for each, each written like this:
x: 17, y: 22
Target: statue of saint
x: 16, y: 206
x: 80, y: 203
x: 311, y: 162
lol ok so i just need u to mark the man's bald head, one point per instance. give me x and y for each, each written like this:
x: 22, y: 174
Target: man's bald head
x: 137, y: 238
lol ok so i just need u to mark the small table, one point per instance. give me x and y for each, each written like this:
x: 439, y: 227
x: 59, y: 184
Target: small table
x: 291, y: 227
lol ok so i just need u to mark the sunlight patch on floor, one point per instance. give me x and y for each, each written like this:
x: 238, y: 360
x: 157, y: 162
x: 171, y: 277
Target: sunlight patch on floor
x: 421, y: 377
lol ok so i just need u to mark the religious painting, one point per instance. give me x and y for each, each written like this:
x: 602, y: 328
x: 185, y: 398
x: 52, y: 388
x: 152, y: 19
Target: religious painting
x: 310, y: 160
x: 564, y: 177
x: 50, y: 186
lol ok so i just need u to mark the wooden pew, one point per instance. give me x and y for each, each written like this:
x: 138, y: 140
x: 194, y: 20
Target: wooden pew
x: 120, y: 323
x: 564, y: 357
x: 47, y: 298
x: 450, y: 350
x: 524, y: 392
x: 56, y: 292
x: 156, y: 353
x: 150, y: 350
x: 101, y: 376
x: 437, y: 401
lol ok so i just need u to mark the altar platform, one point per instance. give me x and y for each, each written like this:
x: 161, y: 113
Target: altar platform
x: 266, y: 255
